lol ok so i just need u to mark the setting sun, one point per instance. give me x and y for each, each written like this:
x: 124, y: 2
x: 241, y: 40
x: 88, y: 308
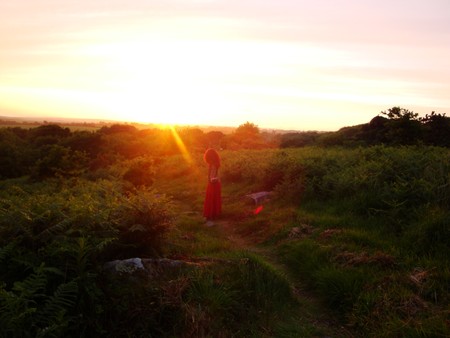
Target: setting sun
x: 281, y: 64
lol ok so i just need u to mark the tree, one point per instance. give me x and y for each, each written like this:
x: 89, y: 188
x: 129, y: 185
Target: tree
x: 84, y: 141
x: 13, y: 154
x: 436, y: 129
x: 48, y: 134
x: 403, y: 127
x: 193, y: 138
x: 247, y: 129
x: 397, y: 113
x: 214, y: 138
x: 246, y: 136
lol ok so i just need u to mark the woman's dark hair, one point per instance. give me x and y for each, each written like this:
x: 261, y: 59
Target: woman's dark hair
x: 212, y: 157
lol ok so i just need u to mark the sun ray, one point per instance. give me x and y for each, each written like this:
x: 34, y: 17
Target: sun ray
x: 181, y: 146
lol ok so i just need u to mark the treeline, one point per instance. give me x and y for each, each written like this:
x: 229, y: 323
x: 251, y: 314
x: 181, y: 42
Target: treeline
x: 396, y: 126
x: 51, y: 150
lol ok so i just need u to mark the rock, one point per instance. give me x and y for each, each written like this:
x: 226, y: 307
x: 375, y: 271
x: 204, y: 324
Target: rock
x: 148, y: 266
x: 125, y: 266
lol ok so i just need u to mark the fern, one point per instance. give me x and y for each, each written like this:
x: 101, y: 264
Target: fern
x: 101, y: 246
x: 53, y: 318
x: 15, y: 314
x: 6, y: 251
x: 34, y: 285
x: 19, y: 306
x: 62, y: 299
x: 27, y: 310
x: 57, y: 229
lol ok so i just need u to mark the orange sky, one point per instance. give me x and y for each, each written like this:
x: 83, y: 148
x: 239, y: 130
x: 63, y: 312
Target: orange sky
x: 302, y: 65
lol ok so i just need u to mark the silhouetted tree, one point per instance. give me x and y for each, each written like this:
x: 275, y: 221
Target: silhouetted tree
x: 397, y: 113
x: 436, y: 129
x: 404, y: 127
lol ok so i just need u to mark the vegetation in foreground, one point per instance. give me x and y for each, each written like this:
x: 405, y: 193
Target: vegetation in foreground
x: 353, y: 242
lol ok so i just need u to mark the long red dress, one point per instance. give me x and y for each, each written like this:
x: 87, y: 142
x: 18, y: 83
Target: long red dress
x: 213, y: 199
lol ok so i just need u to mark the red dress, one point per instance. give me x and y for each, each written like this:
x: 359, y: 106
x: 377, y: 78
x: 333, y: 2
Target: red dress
x: 213, y: 199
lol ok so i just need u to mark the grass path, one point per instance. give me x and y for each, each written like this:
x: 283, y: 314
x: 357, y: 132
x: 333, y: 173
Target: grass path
x: 235, y: 232
x: 310, y: 307
x: 239, y: 229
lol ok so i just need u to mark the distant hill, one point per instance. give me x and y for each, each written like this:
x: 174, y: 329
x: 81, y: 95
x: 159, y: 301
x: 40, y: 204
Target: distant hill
x: 83, y: 122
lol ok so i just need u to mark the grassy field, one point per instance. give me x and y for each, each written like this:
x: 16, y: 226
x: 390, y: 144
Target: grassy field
x: 351, y: 243
x: 365, y: 231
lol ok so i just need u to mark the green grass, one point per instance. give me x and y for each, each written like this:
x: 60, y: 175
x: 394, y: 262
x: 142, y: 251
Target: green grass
x: 379, y: 284
x: 350, y: 233
x: 353, y: 243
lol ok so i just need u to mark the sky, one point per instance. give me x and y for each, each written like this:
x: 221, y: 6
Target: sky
x: 281, y: 64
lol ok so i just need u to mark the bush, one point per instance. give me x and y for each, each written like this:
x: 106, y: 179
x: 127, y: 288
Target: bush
x: 143, y: 218
x: 54, y: 239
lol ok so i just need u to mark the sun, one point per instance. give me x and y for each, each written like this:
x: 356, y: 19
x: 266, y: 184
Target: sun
x: 157, y: 83
x: 182, y: 81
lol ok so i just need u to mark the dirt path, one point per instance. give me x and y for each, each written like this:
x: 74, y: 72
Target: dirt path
x: 312, y: 309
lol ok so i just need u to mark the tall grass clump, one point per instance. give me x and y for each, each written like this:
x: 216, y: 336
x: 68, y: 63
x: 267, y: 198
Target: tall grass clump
x: 242, y: 296
x: 304, y: 258
x: 341, y: 288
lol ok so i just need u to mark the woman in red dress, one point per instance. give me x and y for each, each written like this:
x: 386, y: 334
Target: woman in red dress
x: 213, y: 199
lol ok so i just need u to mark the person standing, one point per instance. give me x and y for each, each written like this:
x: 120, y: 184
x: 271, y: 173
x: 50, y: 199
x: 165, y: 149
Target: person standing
x: 213, y: 199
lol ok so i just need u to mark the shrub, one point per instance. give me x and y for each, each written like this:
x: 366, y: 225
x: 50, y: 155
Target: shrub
x: 54, y: 239
x: 140, y: 172
x: 143, y: 218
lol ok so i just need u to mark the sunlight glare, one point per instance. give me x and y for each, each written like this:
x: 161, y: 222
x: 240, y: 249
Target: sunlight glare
x: 197, y: 81
x: 181, y: 146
